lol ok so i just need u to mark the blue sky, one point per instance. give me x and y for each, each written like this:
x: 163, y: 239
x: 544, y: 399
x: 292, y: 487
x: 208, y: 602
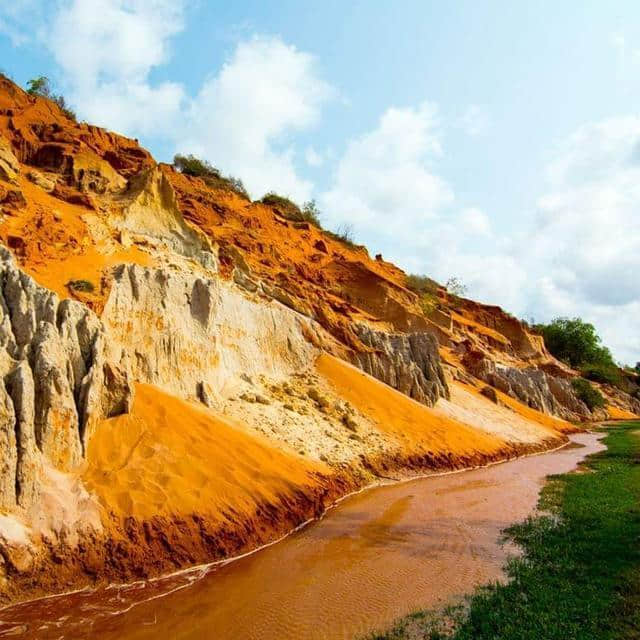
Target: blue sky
x: 491, y: 141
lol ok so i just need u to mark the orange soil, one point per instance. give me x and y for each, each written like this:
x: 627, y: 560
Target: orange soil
x: 615, y: 413
x: 414, y: 425
x: 55, y: 245
x: 169, y: 457
x: 476, y: 326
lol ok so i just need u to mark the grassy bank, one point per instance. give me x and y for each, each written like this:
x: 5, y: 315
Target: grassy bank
x: 579, y: 575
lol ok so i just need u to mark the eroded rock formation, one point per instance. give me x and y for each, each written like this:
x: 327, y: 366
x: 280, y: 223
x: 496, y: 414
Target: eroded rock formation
x: 58, y: 377
x: 192, y: 334
x: 535, y: 388
x: 408, y: 362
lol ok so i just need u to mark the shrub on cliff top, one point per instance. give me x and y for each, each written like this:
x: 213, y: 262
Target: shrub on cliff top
x: 598, y: 372
x: 311, y: 213
x: 192, y: 166
x: 587, y: 393
x: 344, y: 234
x: 456, y: 287
x: 575, y: 342
x: 41, y: 87
x: 421, y: 284
x: 291, y: 211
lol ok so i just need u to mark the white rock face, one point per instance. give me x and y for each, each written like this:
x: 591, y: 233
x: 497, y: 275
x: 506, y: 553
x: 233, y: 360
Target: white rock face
x: 9, y: 166
x: 58, y: 376
x: 149, y: 212
x: 408, y: 362
x: 194, y: 336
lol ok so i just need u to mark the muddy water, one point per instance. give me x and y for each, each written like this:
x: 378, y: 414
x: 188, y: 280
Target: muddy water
x: 377, y: 556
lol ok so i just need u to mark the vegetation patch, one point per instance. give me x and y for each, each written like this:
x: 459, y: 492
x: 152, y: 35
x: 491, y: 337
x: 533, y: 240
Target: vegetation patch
x: 344, y: 234
x: 427, y: 290
x: 579, y: 574
x: 421, y: 284
x: 587, y: 393
x: 41, y: 87
x: 456, y: 287
x: 606, y: 374
x: 192, y: 166
x: 291, y: 211
x: 311, y: 214
x: 82, y: 286
x: 577, y: 343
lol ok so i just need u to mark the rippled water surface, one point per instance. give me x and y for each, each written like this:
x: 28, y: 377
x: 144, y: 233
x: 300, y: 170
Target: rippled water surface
x: 377, y: 556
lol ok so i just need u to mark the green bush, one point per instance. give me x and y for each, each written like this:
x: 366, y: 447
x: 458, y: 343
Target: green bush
x: 41, y: 87
x: 575, y: 342
x: 421, y: 284
x: 311, y: 213
x: 291, y: 211
x: 192, y: 166
x: 285, y: 207
x: 607, y: 374
x: 587, y: 393
x: 428, y: 303
x: 456, y: 287
x: 237, y: 186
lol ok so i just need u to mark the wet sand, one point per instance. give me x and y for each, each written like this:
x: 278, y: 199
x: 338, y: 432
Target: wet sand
x: 377, y: 556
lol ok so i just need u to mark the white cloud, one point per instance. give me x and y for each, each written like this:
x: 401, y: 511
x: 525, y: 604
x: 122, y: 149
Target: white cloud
x: 123, y: 39
x: 475, y: 221
x: 242, y: 115
x: 383, y: 180
x: 475, y: 120
x: 587, y: 235
x: 313, y: 158
x: 580, y: 256
x: 240, y: 118
x: 107, y: 49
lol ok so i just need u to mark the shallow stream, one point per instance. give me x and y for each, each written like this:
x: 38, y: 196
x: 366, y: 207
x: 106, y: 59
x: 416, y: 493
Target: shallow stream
x: 378, y: 555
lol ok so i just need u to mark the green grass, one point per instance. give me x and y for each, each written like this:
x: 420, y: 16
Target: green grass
x: 579, y: 574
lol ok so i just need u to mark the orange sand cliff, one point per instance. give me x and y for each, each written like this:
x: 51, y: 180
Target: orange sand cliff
x: 169, y: 457
x: 208, y: 377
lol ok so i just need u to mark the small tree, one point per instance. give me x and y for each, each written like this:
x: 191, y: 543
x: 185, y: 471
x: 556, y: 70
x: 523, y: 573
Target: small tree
x: 41, y: 87
x: 311, y: 213
x: 575, y: 342
x: 238, y: 186
x: 456, y: 287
